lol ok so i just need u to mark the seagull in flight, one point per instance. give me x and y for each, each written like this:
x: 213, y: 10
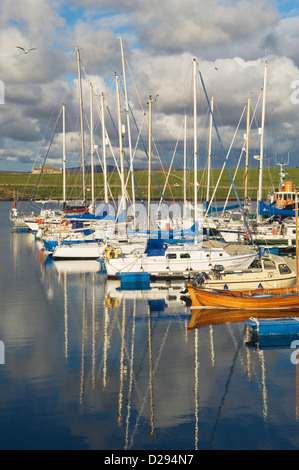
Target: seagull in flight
x: 26, y: 51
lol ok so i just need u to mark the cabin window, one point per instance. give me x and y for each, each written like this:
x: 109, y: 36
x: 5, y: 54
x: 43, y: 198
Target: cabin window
x: 289, y: 197
x: 268, y: 264
x: 284, y: 269
x: 171, y: 297
x: 171, y: 256
x: 285, y: 197
x: 184, y: 255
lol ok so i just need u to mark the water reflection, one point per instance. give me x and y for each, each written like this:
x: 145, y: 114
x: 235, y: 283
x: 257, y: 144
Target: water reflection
x: 132, y: 370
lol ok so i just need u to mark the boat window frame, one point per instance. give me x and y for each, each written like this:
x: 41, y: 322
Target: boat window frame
x: 267, y: 267
x: 287, y: 269
x: 185, y: 255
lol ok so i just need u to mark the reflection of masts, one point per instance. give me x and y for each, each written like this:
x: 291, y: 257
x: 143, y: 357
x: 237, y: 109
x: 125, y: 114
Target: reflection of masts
x: 93, y: 332
x: 106, y: 345
x: 150, y: 360
x: 196, y: 364
x: 122, y: 355
x: 226, y: 389
x: 265, y: 406
x: 65, y: 317
x: 212, y: 345
x: 145, y: 395
x: 83, y: 345
x: 131, y: 377
x: 248, y: 363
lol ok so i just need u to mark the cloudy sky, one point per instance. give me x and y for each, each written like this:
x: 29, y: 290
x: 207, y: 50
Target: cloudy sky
x: 230, y: 39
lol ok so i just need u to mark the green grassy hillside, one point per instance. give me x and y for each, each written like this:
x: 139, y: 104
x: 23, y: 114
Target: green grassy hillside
x: 21, y: 185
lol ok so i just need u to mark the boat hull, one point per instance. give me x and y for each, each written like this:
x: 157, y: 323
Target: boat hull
x: 276, y: 299
x: 179, y: 267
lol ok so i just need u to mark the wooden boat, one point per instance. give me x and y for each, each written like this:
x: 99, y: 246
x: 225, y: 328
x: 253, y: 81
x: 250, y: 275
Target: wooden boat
x: 195, y: 303
x: 266, y: 272
x: 279, y: 298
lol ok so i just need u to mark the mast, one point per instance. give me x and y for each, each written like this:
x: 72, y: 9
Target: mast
x: 195, y: 138
x: 81, y: 125
x: 121, y: 151
x: 150, y: 102
x: 210, y: 150
x: 247, y: 152
x: 92, y: 147
x: 63, y: 154
x: 104, y: 149
x: 128, y: 124
x: 262, y: 140
x: 185, y: 160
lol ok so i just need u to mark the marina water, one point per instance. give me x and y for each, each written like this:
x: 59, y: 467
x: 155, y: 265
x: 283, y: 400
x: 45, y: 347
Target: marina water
x: 88, y: 366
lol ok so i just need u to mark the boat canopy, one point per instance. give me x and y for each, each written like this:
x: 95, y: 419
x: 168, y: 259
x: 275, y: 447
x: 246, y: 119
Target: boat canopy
x: 155, y: 247
x: 268, y: 210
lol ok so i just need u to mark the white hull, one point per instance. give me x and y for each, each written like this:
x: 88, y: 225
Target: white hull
x: 94, y: 250
x: 78, y: 251
x: 186, y: 262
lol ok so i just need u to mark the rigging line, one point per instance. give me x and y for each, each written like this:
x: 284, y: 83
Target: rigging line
x: 171, y: 163
x: 226, y: 202
x: 134, y: 120
x: 145, y: 150
x: 226, y: 386
x: 46, y: 156
x: 228, y: 153
x: 100, y: 161
x: 222, y: 148
x: 148, y: 387
x: 127, y: 196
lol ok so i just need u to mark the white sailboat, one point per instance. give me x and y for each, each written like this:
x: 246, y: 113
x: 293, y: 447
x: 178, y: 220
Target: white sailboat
x: 181, y: 260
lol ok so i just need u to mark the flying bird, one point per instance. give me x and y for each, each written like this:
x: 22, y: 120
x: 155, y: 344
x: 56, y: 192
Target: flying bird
x: 26, y: 51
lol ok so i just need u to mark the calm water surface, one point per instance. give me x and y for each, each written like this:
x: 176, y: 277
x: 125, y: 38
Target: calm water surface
x: 90, y: 367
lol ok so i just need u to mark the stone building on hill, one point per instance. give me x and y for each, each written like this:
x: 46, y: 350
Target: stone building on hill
x: 48, y: 170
